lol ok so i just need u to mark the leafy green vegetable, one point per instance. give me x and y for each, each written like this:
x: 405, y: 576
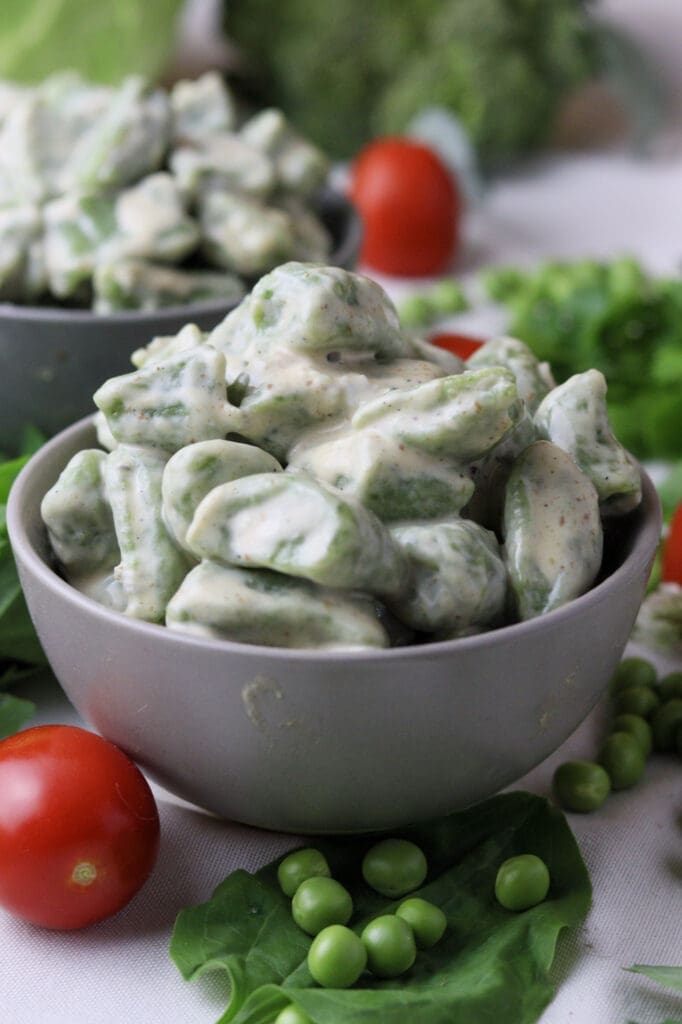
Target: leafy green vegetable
x: 490, y: 964
x: 670, y: 490
x: 348, y: 71
x: 104, y: 42
x: 14, y: 712
x: 18, y: 641
x: 671, y: 977
x: 616, y: 318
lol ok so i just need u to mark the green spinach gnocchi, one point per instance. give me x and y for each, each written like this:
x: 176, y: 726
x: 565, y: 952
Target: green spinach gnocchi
x: 134, y: 197
x: 309, y: 475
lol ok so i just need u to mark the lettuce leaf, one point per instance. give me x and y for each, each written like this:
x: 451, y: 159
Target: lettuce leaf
x: 103, y: 41
x: 491, y: 964
x: 14, y: 712
x: 671, y: 977
x: 18, y: 640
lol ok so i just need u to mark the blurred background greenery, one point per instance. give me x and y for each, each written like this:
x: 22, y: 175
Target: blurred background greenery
x: 511, y: 71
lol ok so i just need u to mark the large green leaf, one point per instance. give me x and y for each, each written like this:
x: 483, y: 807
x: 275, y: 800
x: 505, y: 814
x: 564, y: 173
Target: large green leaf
x: 104, y: 41
x: 491, y: 964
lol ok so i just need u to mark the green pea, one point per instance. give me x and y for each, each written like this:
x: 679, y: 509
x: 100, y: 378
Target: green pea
x: 664, y: 723
x: 581, y: 785
x: 623, y: 758
x: 319, y: 902
x: 633, y: 672
x: 427, y: 921
x: 292, y: 1015
x: 522, y: 882
x: 448, y: 298
x: 636, y: 700
x: 389, y: 942
x: 299, y: 866
x: 637, y: 727
x: 416, y: 311
x: 394, y: 867
x: 337, y: 957
x: 670, y: 686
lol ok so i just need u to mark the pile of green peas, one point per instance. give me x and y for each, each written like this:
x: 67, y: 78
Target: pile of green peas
x: 647, y: 717
x: 388, y: 944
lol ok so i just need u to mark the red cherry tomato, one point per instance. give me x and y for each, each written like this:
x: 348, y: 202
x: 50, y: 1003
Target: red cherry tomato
x: 461, y: 345
x: 79, y: 828
x: 410, y: 208
x: 671, y: 565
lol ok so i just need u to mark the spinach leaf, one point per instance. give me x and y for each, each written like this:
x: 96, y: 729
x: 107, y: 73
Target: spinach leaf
x: 491, y: 964
x: 18, y: 641
x: 14, y: 712
x: 671, y: 977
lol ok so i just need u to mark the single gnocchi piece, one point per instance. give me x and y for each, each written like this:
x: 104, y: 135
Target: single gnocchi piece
x: 196, y: 469
x: 136, y: 284
x: 300, y: 166
x: 462, y: 416
x: 244, y: 235
x: 284, y: 394
x: 314, y: 309
x: 20, y: 229
x: 392, y: 481
x: 169, y: 404
x: 151, y: 221
x: 152, y: 566
x: 313, y: 242
x: 223, y: 162
x: 458, y: 582
x: 78, y: 228
x: 166, y: 346
x: 574, y: 417
x: 201, y: 108
x: 256, y: 606
x: 295, y: 525
x: 128, y: 141
x: 77, y: 514
x: 552, y: 530
x: 533, y: 379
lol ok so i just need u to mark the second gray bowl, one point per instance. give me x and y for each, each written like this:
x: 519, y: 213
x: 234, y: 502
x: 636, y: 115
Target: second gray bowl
x: 54, y: 359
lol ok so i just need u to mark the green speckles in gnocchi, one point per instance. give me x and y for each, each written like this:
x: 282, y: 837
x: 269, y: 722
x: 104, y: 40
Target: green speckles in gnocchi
x: 393, y: 482
x: 78, y: 516
x: 198, y: 468
x: 462, y: 416
x: 170, y: 404
x: 552, y: 530
x: 574, y: 417
x: 293, y: 524
x: 262, y: 607
x: 152, y: 566
x: 458, y: 581
x: 307, y: 310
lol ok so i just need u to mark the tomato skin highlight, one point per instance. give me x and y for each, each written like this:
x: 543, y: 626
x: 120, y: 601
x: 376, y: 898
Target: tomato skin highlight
x: 462, y: 345
x: 410, y: 207
x: 671, y: 564
x: 79, y: 827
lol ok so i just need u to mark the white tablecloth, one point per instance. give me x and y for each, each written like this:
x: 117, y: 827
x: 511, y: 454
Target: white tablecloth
x: 119, y: 971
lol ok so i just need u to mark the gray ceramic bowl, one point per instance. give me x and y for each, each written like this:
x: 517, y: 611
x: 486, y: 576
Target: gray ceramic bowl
x: 307, y: 742
x: 53, y: 359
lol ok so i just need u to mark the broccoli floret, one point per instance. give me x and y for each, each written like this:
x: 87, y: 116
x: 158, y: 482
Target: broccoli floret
x: 347, y: 71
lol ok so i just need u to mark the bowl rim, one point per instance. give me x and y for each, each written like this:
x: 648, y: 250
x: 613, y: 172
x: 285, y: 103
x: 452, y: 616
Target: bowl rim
x: 344, y: 252
x: 638, y: 561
